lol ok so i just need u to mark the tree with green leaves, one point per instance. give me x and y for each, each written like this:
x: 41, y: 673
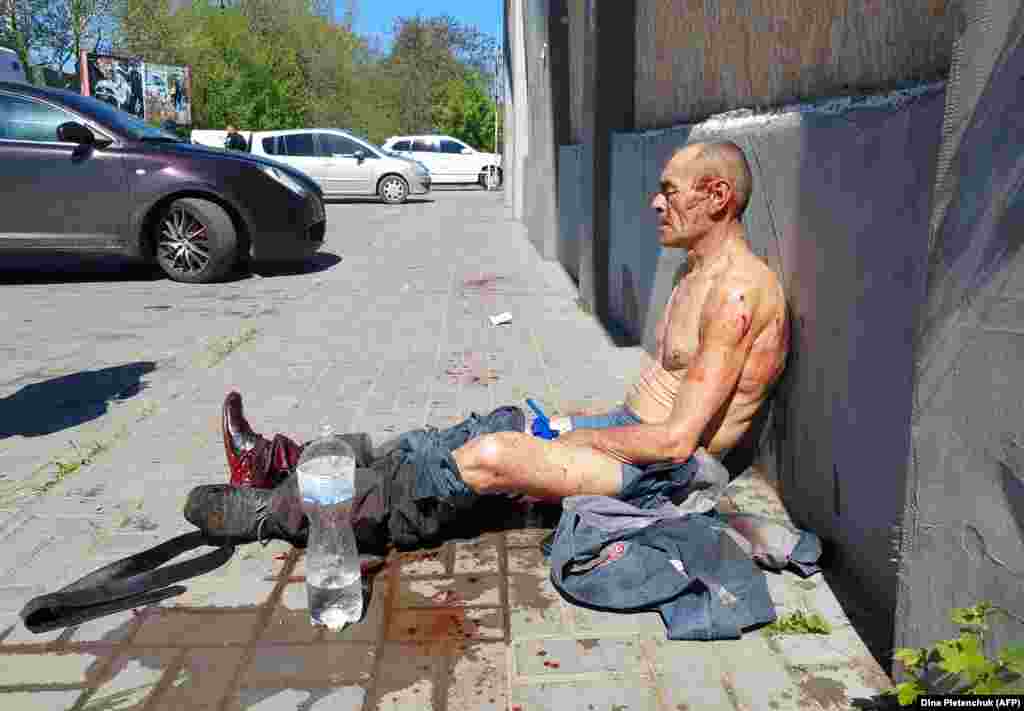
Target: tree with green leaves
x: 271, y: 64
x: 249, y: 78
x: 21, y: 29
x: 466, y: 111
x: 70, y: 26
x: 245, y: 71
x: 149, y: 29
x: 53, y: 33
x: 429, y: 59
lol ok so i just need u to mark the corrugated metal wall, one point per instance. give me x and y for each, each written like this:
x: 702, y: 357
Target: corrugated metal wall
x: 963, y: 532
x: 700, y: 57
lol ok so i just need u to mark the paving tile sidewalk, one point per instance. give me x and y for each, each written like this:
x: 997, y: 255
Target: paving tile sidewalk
x: 473, y: 624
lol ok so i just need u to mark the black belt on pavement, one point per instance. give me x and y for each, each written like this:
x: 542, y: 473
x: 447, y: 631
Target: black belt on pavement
x: 131, y: 582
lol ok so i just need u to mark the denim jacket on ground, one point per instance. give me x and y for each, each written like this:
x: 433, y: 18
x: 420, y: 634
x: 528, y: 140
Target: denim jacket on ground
x: 693, y: 568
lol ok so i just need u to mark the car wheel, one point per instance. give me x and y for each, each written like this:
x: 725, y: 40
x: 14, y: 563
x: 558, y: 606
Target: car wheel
x: 393, y: 189
x: 196, y: 241
x: 485, y: 178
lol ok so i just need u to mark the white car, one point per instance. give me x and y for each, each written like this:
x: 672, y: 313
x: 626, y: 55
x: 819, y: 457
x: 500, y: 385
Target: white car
x: 448, y: 159
x: 342, y: 163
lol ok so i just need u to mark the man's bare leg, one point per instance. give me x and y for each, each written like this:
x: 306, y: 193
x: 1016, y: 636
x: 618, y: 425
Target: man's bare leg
x: 514, y: 462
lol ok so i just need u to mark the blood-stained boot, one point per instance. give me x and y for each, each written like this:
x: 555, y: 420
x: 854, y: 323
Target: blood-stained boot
x: 253, y: 460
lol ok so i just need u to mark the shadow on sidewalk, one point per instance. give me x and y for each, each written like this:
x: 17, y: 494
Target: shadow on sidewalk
x: 75, y: 269
x: 319, y: 262
x: 72, y: 269
x: 67, y: 401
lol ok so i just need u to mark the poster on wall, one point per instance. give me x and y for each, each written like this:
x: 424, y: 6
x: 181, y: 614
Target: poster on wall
x: 115, y: 80
x: 168, y: 94
x: 152, y: 92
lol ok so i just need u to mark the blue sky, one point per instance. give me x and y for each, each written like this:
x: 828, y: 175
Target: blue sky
x: 375, y: 17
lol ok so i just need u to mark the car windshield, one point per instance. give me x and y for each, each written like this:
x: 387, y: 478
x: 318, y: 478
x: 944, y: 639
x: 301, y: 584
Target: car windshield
x: 362, y: 139
x: 121, y: 121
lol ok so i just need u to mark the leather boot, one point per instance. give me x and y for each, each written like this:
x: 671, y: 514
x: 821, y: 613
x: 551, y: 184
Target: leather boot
x: 253, y: 460
x: 238, y: 515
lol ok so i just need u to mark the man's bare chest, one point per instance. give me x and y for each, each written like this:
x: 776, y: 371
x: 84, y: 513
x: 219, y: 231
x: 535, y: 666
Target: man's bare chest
x: 679, y: 335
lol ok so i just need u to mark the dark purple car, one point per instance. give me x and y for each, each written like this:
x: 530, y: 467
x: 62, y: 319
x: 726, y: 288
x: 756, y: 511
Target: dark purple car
x: 77, y: 175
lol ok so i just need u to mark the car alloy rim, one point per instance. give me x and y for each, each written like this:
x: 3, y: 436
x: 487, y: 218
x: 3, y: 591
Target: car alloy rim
x: 184, y: 242
x: 393, y: 189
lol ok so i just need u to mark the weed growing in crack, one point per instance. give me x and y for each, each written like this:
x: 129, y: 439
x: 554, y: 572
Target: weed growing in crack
x: 799, y: 622
x: 83, y: 457
x: 66, y: 467
x: 147, y: 410
x: 221, y: 348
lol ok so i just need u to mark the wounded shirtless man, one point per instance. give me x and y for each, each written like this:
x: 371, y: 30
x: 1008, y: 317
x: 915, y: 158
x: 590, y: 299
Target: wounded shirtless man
x: 722, y: 344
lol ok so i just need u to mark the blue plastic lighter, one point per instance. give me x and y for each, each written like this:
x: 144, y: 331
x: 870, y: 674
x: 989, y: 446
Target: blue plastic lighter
x: 541, y: 425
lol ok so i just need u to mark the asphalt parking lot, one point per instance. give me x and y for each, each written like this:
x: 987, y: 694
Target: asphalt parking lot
x: 66, y: 314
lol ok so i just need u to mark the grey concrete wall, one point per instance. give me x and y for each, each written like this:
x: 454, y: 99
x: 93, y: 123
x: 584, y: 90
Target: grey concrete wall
x: 607, y: 106
x: 573, y: 179
x: 560, y: 72
x: 583, y: 37
x: 577, y: 53
x: 508, y: 149
x: 519, y: 127
x: 963, y: 533
x: 840, y: 208
x: 539, y: 182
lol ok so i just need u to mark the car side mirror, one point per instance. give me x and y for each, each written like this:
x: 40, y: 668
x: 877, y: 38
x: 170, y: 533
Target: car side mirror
x: 360, y: 155
x: 72, y: 132
x: 467, y: 151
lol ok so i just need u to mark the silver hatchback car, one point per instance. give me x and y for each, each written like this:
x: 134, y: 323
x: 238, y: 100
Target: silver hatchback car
x: 342, y: 163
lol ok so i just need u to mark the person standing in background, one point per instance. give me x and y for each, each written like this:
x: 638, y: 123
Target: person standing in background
x: 234, y: 140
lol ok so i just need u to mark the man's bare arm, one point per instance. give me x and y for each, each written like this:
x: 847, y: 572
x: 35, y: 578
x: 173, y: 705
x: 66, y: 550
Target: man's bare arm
x: 727, y: 336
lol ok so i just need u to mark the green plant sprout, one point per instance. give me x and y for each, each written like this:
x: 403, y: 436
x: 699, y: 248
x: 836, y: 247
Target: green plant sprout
x: 220, y: 349
x: 799, y: 622
x: 67, y: 467
x: 959, y: 666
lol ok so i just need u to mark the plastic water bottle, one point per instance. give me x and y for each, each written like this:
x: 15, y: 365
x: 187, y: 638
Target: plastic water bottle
x: 326, y: 473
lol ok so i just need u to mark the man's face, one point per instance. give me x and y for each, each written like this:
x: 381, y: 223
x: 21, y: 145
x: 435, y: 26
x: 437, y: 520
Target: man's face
x: 678, y: 203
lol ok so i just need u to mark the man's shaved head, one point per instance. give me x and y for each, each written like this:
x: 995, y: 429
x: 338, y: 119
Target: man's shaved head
x: 721, y: 159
